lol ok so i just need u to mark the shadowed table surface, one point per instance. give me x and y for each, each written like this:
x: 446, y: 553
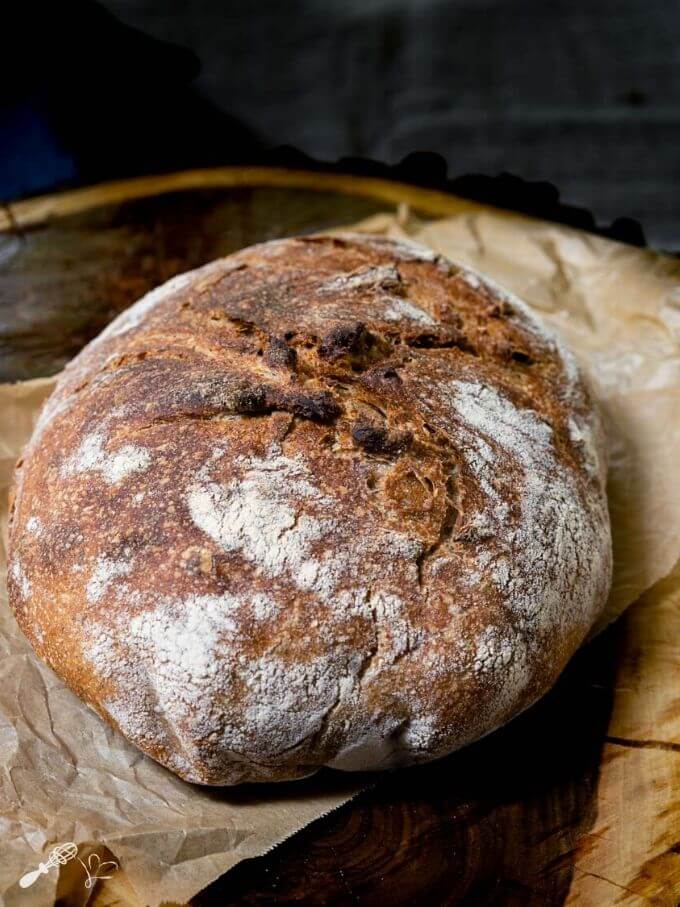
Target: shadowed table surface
x: 541, y: 812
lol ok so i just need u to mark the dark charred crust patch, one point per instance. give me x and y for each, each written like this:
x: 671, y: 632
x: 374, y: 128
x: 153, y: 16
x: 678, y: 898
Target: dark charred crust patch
x: 375, y: 439
x: 344, y: 338
x: 522, y: 356
x: 241, y: 325
x: 249, y: 399
x: 499, y: 309
x: 209, y: 398
x: 319, y: 406
x: 446, y: 337
x: 280, y: 355
x: 388, y: 374
x: 354, y: 347
x: 507, y: 351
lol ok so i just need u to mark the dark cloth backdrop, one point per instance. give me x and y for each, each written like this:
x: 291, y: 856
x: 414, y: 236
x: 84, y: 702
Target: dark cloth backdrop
x: 584, y: 95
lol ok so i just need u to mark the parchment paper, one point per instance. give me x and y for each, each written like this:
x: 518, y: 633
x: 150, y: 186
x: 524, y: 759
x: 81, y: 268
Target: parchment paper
x: 67, y: 776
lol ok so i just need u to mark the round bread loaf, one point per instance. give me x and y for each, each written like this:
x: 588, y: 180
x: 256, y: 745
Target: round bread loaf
x: 328, y: 501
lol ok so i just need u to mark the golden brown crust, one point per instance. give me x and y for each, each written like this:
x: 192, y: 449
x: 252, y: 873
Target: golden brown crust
x: 330, y: 500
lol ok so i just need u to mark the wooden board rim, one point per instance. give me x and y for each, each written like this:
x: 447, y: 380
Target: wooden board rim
x: 38, y: 210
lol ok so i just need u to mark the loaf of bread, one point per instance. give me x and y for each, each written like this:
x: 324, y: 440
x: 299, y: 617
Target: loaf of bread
x: 331, y: 500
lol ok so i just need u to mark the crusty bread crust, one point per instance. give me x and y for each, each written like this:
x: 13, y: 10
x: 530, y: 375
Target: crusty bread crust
x: 327, y: 501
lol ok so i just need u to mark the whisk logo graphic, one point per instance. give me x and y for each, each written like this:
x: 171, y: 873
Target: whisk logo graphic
x: 60, y: 855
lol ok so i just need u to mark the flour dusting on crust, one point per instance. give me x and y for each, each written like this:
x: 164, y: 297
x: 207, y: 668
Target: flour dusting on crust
x: 105, y: 572
x: 113, y: 465
x: 256, y: 515
x: 552, y: 536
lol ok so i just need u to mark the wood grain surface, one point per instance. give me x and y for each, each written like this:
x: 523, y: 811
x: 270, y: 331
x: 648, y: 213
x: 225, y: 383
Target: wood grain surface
x: 577, y: 801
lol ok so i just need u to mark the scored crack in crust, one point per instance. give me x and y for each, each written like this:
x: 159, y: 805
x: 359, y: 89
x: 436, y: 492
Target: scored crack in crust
x: 331, y: 500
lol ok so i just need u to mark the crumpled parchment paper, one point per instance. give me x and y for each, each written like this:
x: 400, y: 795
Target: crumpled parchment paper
x: 66, y: 776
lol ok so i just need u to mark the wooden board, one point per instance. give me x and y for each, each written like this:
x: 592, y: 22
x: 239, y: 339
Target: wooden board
x: 575, y: 802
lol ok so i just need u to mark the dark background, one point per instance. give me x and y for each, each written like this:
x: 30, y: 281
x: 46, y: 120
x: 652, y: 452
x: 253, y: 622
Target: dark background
x: 582, y: 95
